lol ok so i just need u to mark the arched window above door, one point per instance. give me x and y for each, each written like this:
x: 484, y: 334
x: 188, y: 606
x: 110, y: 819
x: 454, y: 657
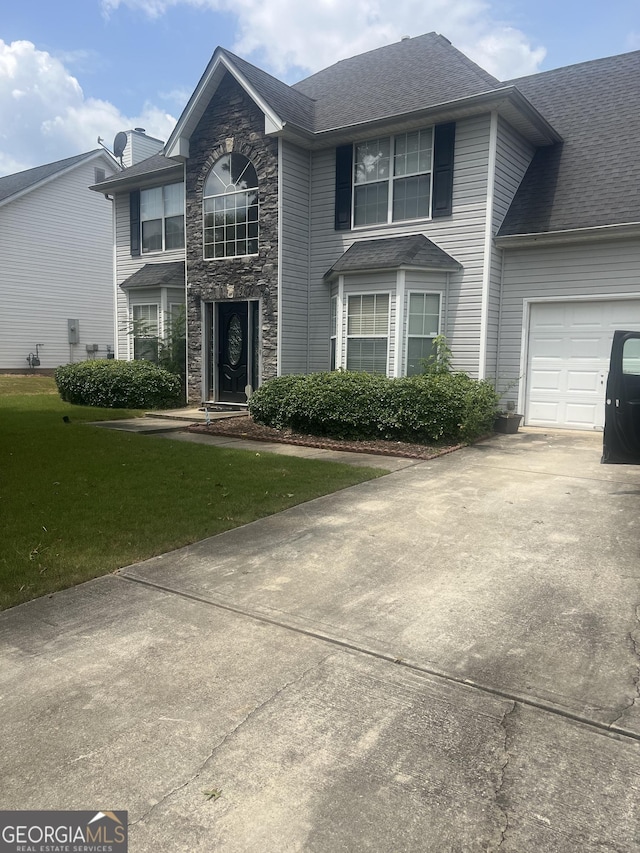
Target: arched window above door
x: 230, y: 208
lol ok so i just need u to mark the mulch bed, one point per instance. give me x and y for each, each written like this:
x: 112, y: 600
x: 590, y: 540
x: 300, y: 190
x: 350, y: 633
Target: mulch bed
x: 245, y: 427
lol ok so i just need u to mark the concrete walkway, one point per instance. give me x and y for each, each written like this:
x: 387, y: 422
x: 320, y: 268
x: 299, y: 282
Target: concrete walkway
x: 172, y: 425
x: 443, y: 659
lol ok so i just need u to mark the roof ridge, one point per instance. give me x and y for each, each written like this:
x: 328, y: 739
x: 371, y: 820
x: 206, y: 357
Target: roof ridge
x: 574, y: 66
x: 241, y: 61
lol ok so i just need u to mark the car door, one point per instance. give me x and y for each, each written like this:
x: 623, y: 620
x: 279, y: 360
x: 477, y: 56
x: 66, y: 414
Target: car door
x: 622, y: 404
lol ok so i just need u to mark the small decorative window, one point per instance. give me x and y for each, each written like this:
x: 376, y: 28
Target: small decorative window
x: 368, y: 332
x: 423, y: 327
x: 162, y: 218
x: 230, y: 208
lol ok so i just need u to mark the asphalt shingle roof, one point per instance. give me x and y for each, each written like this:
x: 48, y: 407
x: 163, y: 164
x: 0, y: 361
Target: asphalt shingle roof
x: 157, y: 163
x: 592, y: 178
x: 154, y: 275
x: 20, y: 181
x: 416, y: 250
x: 290, y: 105
x: 409, y: 75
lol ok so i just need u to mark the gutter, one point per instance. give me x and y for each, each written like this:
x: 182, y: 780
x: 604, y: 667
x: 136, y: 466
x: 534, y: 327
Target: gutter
x: 569, y: 235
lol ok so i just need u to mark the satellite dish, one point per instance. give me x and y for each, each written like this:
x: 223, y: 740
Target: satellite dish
x: 119, y: 144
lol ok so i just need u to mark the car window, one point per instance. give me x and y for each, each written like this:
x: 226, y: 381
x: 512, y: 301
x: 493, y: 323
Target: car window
x: 631, y: 357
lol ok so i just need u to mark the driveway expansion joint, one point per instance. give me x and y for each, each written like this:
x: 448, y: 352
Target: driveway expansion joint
x: 603, y: 728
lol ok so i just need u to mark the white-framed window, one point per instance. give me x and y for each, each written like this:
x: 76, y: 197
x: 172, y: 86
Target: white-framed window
x: 392, y: 178
x: 423, y: 325
x: 368, y: 332
x: 230, y: 208
x: 145, y: 331
x: 162, y: 218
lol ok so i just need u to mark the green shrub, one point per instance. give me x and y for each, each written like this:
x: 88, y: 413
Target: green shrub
x: 343, y: 404
x: 118, y: 385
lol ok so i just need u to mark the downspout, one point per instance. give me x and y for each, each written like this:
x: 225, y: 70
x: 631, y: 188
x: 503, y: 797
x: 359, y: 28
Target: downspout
x: 114, y: 267
x: 488, y: 246
x: 186, y: 313
x: 309, y: 190
x: 279, y: 276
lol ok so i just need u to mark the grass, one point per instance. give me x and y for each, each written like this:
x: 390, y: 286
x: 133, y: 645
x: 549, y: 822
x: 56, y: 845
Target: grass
x: 79, y: 501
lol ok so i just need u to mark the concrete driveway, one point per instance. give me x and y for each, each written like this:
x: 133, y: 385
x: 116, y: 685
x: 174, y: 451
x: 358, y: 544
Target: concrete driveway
x: 445, y: 659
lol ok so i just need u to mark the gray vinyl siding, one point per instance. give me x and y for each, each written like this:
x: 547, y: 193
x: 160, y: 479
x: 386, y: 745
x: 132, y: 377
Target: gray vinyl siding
x: 513, y: 156
x: 461, y: 235
x: 294, y: 259
x: 594, y: 269
x: 139, y: 147
x: 56, y: 264
x: 126, y: 265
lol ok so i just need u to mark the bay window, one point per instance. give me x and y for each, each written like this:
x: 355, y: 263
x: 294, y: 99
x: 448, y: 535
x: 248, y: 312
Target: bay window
x: 368, y: 332
x: 423, y: 324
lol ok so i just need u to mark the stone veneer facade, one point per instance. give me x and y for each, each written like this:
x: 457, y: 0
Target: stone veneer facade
x: 232, y: 123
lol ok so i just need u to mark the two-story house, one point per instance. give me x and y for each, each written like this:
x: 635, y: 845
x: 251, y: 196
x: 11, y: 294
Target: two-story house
x: 56, y: 264
x: 348, y: 219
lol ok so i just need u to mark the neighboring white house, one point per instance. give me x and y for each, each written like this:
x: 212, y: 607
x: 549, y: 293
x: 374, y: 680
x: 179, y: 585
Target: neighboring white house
x: 56, y: 259
x: 348, y: 219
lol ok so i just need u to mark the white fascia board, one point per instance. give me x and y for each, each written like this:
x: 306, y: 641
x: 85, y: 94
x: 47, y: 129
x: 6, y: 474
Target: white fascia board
x: 204, y: 92
x: 569, y: 235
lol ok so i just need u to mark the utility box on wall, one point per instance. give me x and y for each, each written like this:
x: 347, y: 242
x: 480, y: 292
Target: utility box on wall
x: 74, y: 331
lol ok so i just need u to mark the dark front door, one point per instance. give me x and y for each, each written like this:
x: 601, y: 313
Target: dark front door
x: 622, y: 404
x: 233, y: 339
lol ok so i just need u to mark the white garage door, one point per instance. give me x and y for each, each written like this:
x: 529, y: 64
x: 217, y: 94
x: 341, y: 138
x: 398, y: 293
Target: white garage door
x: 569, y: 348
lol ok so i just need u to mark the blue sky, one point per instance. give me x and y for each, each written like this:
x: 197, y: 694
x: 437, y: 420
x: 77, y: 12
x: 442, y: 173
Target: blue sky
x: 76, y: 69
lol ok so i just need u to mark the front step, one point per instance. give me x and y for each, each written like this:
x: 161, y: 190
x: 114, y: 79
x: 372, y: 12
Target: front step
x: 224, y: 407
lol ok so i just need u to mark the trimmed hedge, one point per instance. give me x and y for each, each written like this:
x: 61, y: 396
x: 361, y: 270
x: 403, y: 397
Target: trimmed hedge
x: 115, y: 384
x: 350, y: 405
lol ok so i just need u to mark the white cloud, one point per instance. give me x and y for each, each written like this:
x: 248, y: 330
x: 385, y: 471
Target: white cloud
x: 49, y: 117
x: 286, y: 35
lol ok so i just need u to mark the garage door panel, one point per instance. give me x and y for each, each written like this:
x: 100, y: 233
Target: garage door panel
x: 569, y: 347
x: 582, y: 347
x: 541, y: 413
x: 582, y: 380
x: 580, y: 416
x: 542, y: 380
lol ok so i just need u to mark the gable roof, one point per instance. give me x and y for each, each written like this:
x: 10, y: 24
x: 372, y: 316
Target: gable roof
x: 157, y: 167
x: 409, y: 75
x: 400, y: 82
x: 415, y: 251
x: 592, y: 178
x: 22, y: 182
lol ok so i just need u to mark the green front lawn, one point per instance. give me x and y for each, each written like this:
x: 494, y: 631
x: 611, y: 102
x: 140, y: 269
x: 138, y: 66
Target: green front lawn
x: 79, y: 501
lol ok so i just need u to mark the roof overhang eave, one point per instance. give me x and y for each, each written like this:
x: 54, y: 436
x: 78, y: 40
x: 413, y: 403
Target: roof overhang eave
x: 507, y: 101
x: 618, y: 231
x: 144, y: 179
x: 332, y: 274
